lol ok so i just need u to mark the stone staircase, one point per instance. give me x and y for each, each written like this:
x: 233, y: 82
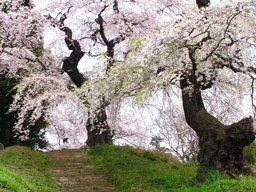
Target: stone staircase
x: 74, y: 175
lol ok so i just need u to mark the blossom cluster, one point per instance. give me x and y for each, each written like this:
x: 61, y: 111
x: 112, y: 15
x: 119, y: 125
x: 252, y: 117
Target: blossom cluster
x: 213, y: 40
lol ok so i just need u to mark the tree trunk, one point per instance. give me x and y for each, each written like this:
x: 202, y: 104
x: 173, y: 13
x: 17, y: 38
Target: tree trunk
x: 97, y: 127
x: 221, y: 146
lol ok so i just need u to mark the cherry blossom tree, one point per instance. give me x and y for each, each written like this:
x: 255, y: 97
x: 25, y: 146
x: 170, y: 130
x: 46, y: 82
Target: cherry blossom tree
x: 197, y: 53
x: 43, y: 85
x: 104, y: 26
x: 10, y: 136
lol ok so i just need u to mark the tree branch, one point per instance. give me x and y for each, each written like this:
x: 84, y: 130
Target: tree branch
x: 70, y: 63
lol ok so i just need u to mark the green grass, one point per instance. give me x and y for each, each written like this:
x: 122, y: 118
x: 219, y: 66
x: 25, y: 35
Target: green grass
x: 136, y: 170
x: 130, y: 170
x: 10, y: 181
x: 23, y: 170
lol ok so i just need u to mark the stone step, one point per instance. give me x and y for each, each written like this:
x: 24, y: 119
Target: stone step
x: 87, y: 189
x: 65, y: 150
x: 72, y: 165
x: 66, y: 162
x: 77, y: 173
x: 68, y: 186
x: 65, y: 158
x: 83, y: 167
x: 65, y: 155
x: 82, y: 178
x: 84, y: 185
x: 76, y: 155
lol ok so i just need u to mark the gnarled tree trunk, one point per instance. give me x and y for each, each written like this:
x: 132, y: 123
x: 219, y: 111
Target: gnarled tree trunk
x: 97, y: 127
x: 221, y: 146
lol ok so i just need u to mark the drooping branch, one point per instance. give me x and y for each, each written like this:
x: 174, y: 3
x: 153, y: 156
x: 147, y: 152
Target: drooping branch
x: 26, y: 58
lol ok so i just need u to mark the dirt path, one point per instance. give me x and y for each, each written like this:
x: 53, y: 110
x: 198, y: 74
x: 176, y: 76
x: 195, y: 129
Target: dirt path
x: 74, y: 175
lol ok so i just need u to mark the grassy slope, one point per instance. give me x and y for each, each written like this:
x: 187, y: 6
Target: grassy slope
x: 23, y: 170
x: 136, y: 170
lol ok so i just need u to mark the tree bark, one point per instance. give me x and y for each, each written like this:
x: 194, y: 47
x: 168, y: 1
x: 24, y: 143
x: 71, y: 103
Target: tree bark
x: 98, y: 130
x: 221, y: 146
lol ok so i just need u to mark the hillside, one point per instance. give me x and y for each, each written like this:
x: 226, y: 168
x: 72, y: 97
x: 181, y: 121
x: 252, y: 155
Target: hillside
x: 133, y: 170
x: 23, y: 170
x: 128, y: 169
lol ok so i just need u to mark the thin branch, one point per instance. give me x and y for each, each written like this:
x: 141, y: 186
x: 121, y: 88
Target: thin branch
x: 229, y: 20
